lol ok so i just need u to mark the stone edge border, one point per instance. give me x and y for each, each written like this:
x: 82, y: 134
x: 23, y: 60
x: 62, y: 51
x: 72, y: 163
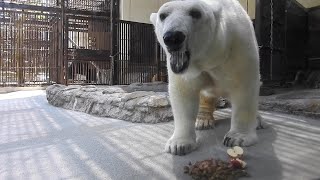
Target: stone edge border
x: 113, y: 102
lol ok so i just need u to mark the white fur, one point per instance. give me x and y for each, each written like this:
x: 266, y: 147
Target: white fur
x: 224, y: 61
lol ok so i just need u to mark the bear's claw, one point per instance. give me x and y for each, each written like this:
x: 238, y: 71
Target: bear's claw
x: 180, y: 146
x: 202, y: 124
x: 239, y: 139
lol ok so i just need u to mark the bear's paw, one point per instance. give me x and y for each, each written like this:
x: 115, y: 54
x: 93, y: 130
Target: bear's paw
x: 233, y: 138
x: 180, y: 146
x: 204, y: 123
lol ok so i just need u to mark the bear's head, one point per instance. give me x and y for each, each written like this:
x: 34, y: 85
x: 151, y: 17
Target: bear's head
x: 185, y: 29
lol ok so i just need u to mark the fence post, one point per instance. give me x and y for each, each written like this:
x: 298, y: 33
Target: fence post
x: 158, y: 59
x: 114, y: 44
x: 63, y: 73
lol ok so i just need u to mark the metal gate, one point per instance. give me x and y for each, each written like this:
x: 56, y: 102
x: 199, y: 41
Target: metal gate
x: 138, y: 54
x: 88, y: 42
x: 270, y: 31
x: 75, y: 42
x: 89, y: 45
x: 26, y: 51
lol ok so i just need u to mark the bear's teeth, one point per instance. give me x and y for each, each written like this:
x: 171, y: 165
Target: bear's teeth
x: 181, y: 60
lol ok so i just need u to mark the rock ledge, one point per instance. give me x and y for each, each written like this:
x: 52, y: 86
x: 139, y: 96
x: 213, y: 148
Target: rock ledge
x: 113, y: 102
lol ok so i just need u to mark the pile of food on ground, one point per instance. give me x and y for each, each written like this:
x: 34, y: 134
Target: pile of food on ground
x: 219, y: 170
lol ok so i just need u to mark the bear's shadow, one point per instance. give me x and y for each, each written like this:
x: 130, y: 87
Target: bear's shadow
x: 261, y: 159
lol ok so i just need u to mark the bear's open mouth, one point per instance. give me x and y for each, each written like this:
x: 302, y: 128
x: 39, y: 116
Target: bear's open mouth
x: 179, y: 61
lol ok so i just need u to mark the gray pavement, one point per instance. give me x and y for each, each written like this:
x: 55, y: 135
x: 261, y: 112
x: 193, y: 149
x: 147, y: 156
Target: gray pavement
x: 39, y: 141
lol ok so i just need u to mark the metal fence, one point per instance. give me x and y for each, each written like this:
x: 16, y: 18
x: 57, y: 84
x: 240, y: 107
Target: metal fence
x: 89, y: 5
x: 39, y: 3
x: 89, y: 45
x: 25, y: 47
x: 140, y: 58
x: 75, y: 42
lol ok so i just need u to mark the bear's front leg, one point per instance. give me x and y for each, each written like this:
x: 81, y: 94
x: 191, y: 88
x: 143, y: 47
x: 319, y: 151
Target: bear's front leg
x: 244, y: 119
x: 184, y: 98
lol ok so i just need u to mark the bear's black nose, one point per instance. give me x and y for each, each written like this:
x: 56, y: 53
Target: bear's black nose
x: 174, y: 40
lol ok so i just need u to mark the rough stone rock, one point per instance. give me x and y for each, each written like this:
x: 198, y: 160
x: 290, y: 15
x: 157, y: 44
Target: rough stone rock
x: 297, y: 102
x: 223, y: 103
x: 154, y: 86
x: 113, y: 102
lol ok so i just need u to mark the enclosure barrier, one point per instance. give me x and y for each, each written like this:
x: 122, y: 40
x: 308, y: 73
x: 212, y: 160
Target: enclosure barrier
x: 140, y: 58
x: 75, y: 42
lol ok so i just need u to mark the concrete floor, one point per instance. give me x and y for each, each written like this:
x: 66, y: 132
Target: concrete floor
x: 39, y: 141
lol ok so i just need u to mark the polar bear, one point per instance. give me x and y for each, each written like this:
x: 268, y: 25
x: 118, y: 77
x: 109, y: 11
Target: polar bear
x: 211, y: 50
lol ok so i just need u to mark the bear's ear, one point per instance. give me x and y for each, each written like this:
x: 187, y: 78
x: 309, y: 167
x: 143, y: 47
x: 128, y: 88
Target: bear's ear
x: 153, y: 18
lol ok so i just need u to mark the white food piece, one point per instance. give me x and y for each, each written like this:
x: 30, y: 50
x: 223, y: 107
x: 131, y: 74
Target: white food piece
x: 238, y: 150
x: 232, y: 153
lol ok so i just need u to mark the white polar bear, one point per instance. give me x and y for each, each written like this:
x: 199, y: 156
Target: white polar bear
x: 211, y: 49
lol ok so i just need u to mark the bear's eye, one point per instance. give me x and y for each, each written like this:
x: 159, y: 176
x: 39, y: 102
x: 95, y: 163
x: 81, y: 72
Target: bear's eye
x: 163, y: 16
x: 194, y: 13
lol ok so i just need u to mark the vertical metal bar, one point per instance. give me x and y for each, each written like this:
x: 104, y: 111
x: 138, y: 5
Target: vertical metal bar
x: 130, y: 41
x: 114, y: 68
x: 144, y: 62
x: 50, y: 45
x: 141, y: 63
x: 2, y: 40
x: 7, y: 50
x: 9, y: 46
x: 121, y: 30
x: 122, y: 55
x: 41, y: 57
x: 10, y: 70
x: 119, y: 49
x: 258, y: 22
x: 26, y: 48
x: 131, y: 54
x: 131, y: 50
x: 37, y: 48
x: 47, y: 45
x: 44, y: 47
x: 126, y: 74
x: 54, y: 47
x: 145, y: 55
x: 65, y: 42
x: 114, y: 46
x: 40, y: 40
x: 14, y: 48
x: 8, y: 43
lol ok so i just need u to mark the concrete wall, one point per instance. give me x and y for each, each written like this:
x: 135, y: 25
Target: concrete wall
x: 140, y: 10
x: 309, y: 3
x: 249, y: 6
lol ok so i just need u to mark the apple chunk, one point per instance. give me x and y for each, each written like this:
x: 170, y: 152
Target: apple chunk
x: 238, y: 150
x: 232, y: 154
